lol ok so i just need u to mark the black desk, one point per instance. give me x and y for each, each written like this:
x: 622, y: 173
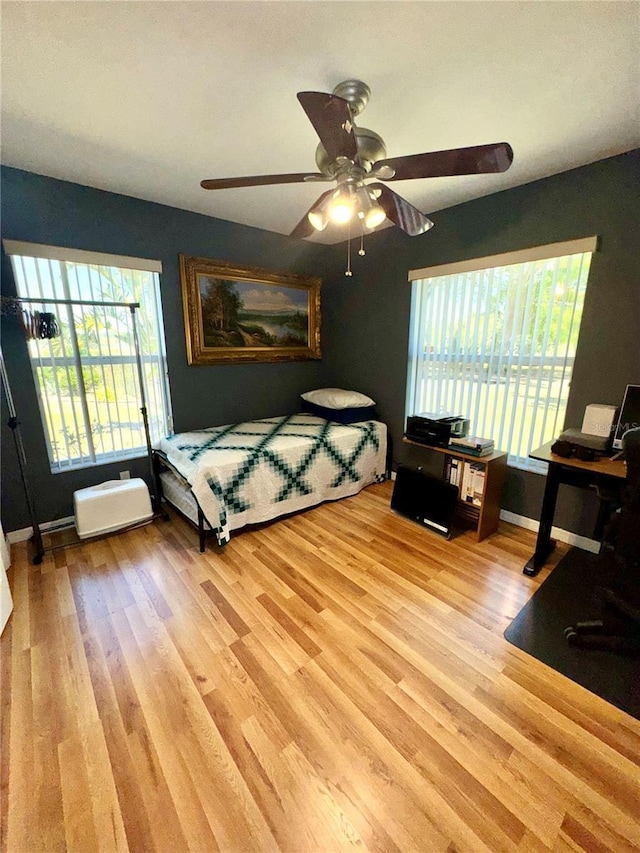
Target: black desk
x: 573, y: 472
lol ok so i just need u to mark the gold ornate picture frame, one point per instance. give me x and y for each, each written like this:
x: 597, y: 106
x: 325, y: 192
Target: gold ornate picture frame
x: 236, y: 314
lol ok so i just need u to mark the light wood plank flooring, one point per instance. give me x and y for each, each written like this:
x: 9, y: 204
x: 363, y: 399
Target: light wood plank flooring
x: 337, y: 680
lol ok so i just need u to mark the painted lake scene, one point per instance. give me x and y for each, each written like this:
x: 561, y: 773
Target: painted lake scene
x: 252, y: 314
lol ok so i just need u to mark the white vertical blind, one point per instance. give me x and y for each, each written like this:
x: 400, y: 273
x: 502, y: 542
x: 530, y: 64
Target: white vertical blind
x: 86, y: 377
x: 497, y: 346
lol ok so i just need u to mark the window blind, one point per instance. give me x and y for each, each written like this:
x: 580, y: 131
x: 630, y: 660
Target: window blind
x: 497, y: 345
x: 86, y: 377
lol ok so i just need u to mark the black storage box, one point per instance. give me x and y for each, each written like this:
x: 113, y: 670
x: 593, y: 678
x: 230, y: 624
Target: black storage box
x: 425, y: 499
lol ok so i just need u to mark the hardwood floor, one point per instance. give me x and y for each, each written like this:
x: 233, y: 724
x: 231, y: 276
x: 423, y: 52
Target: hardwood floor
x: 337, y: 680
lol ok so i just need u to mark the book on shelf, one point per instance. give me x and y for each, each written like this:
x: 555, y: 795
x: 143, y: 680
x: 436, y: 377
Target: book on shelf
x: 473, y: 445
x: 478, y: 453
x: 469, y: 477
x: 466, y: 490
x: 453, y: 472
x: 479, y: 476
x: 471, y: 483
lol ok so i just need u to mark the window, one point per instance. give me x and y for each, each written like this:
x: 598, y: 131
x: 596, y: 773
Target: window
x: 86, y: 376
x: 494, y: 340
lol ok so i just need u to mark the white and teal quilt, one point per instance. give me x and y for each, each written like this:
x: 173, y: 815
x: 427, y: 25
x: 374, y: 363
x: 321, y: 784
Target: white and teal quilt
x: 251, y: 472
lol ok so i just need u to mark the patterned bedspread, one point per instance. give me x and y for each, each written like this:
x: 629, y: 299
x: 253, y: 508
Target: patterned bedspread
x: 254, y: 471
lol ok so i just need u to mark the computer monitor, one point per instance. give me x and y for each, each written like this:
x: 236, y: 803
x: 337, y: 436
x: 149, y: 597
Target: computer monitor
x: 629, y: 417
x: 427, y: 500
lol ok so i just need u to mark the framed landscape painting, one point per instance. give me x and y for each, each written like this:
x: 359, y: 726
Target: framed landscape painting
x: 240, y: 314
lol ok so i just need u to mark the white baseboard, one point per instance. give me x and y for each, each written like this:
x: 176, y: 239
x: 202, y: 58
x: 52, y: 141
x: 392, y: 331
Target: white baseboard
x: 556, y: 532
x: 519, y: 520
x: 26, y: 532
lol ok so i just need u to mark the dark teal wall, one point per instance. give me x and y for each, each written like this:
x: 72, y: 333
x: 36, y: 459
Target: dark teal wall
x: 43, y: 210
x: 366, y: 319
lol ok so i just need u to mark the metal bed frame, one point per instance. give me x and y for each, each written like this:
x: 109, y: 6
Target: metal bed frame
x: 160, y: 462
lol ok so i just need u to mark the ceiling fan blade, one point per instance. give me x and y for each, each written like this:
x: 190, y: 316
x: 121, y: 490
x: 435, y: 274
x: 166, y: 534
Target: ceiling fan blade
x: 407, y: 217
x: 476, y: 160
x: 304, y: 228
x: 260, y: 180
x: 332, y: 121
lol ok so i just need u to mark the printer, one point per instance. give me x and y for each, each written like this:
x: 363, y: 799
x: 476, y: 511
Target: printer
x: 436, y: 430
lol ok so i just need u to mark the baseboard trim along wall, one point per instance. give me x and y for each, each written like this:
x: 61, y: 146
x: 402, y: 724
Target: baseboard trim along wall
x: 511, y: 517
x: 26, y: 532
x: 556, y: 532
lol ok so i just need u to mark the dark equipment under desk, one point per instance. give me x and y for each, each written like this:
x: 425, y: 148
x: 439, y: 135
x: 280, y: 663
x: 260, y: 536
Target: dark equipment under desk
x: 603, y: 473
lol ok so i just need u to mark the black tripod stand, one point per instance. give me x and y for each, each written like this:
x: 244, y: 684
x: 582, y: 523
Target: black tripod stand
x: 14, y: 425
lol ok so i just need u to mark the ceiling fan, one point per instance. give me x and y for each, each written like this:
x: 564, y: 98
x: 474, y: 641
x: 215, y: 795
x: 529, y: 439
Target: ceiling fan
x: 356, y: 159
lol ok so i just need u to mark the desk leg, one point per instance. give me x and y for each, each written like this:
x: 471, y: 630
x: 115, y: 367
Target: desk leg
x: 605, y: 512
x: 544, y: 543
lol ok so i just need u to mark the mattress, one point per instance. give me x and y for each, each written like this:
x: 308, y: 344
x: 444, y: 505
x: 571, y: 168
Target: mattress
x: 251, y: 472
x: 179, y: 495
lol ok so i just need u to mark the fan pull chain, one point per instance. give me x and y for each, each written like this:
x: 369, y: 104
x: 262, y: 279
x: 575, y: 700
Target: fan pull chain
x: 348, y: 269
x: 361, y: 250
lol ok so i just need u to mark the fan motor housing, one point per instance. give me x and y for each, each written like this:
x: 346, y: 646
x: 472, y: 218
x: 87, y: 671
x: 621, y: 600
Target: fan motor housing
x: 371, y: 148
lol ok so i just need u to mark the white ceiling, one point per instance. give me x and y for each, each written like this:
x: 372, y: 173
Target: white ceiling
x: 146, y: 99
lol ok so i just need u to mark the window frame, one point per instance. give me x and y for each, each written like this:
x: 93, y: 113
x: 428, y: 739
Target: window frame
x: 75, y: 362
x: 466, y: 268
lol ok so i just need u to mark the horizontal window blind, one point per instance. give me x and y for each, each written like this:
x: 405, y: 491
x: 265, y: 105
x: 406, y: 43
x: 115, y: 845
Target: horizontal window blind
x: 497, y: 346
x: 86, y: 377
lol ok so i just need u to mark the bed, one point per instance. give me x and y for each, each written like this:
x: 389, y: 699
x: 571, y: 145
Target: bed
x: 226, y: 477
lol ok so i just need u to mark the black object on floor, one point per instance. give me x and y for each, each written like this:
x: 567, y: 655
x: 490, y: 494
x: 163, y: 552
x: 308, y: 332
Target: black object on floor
x: 566, y: 597
x: 427, y: 500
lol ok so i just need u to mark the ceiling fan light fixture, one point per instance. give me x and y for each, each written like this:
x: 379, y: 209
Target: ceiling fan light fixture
x: 341, y: 212
x: 350, y: 155
x: 374, y: 216
x: 342, y: 205
x: 319, y: 217
x: 369, y: 209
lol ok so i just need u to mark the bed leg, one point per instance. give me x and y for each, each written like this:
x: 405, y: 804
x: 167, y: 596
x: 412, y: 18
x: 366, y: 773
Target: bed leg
x: 159, y: 493
x: 201, y: 530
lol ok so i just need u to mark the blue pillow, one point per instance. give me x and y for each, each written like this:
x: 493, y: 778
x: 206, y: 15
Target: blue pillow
x: 341, y: 416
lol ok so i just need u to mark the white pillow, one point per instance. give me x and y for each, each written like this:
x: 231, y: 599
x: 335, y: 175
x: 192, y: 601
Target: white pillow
x: 337, y: 398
